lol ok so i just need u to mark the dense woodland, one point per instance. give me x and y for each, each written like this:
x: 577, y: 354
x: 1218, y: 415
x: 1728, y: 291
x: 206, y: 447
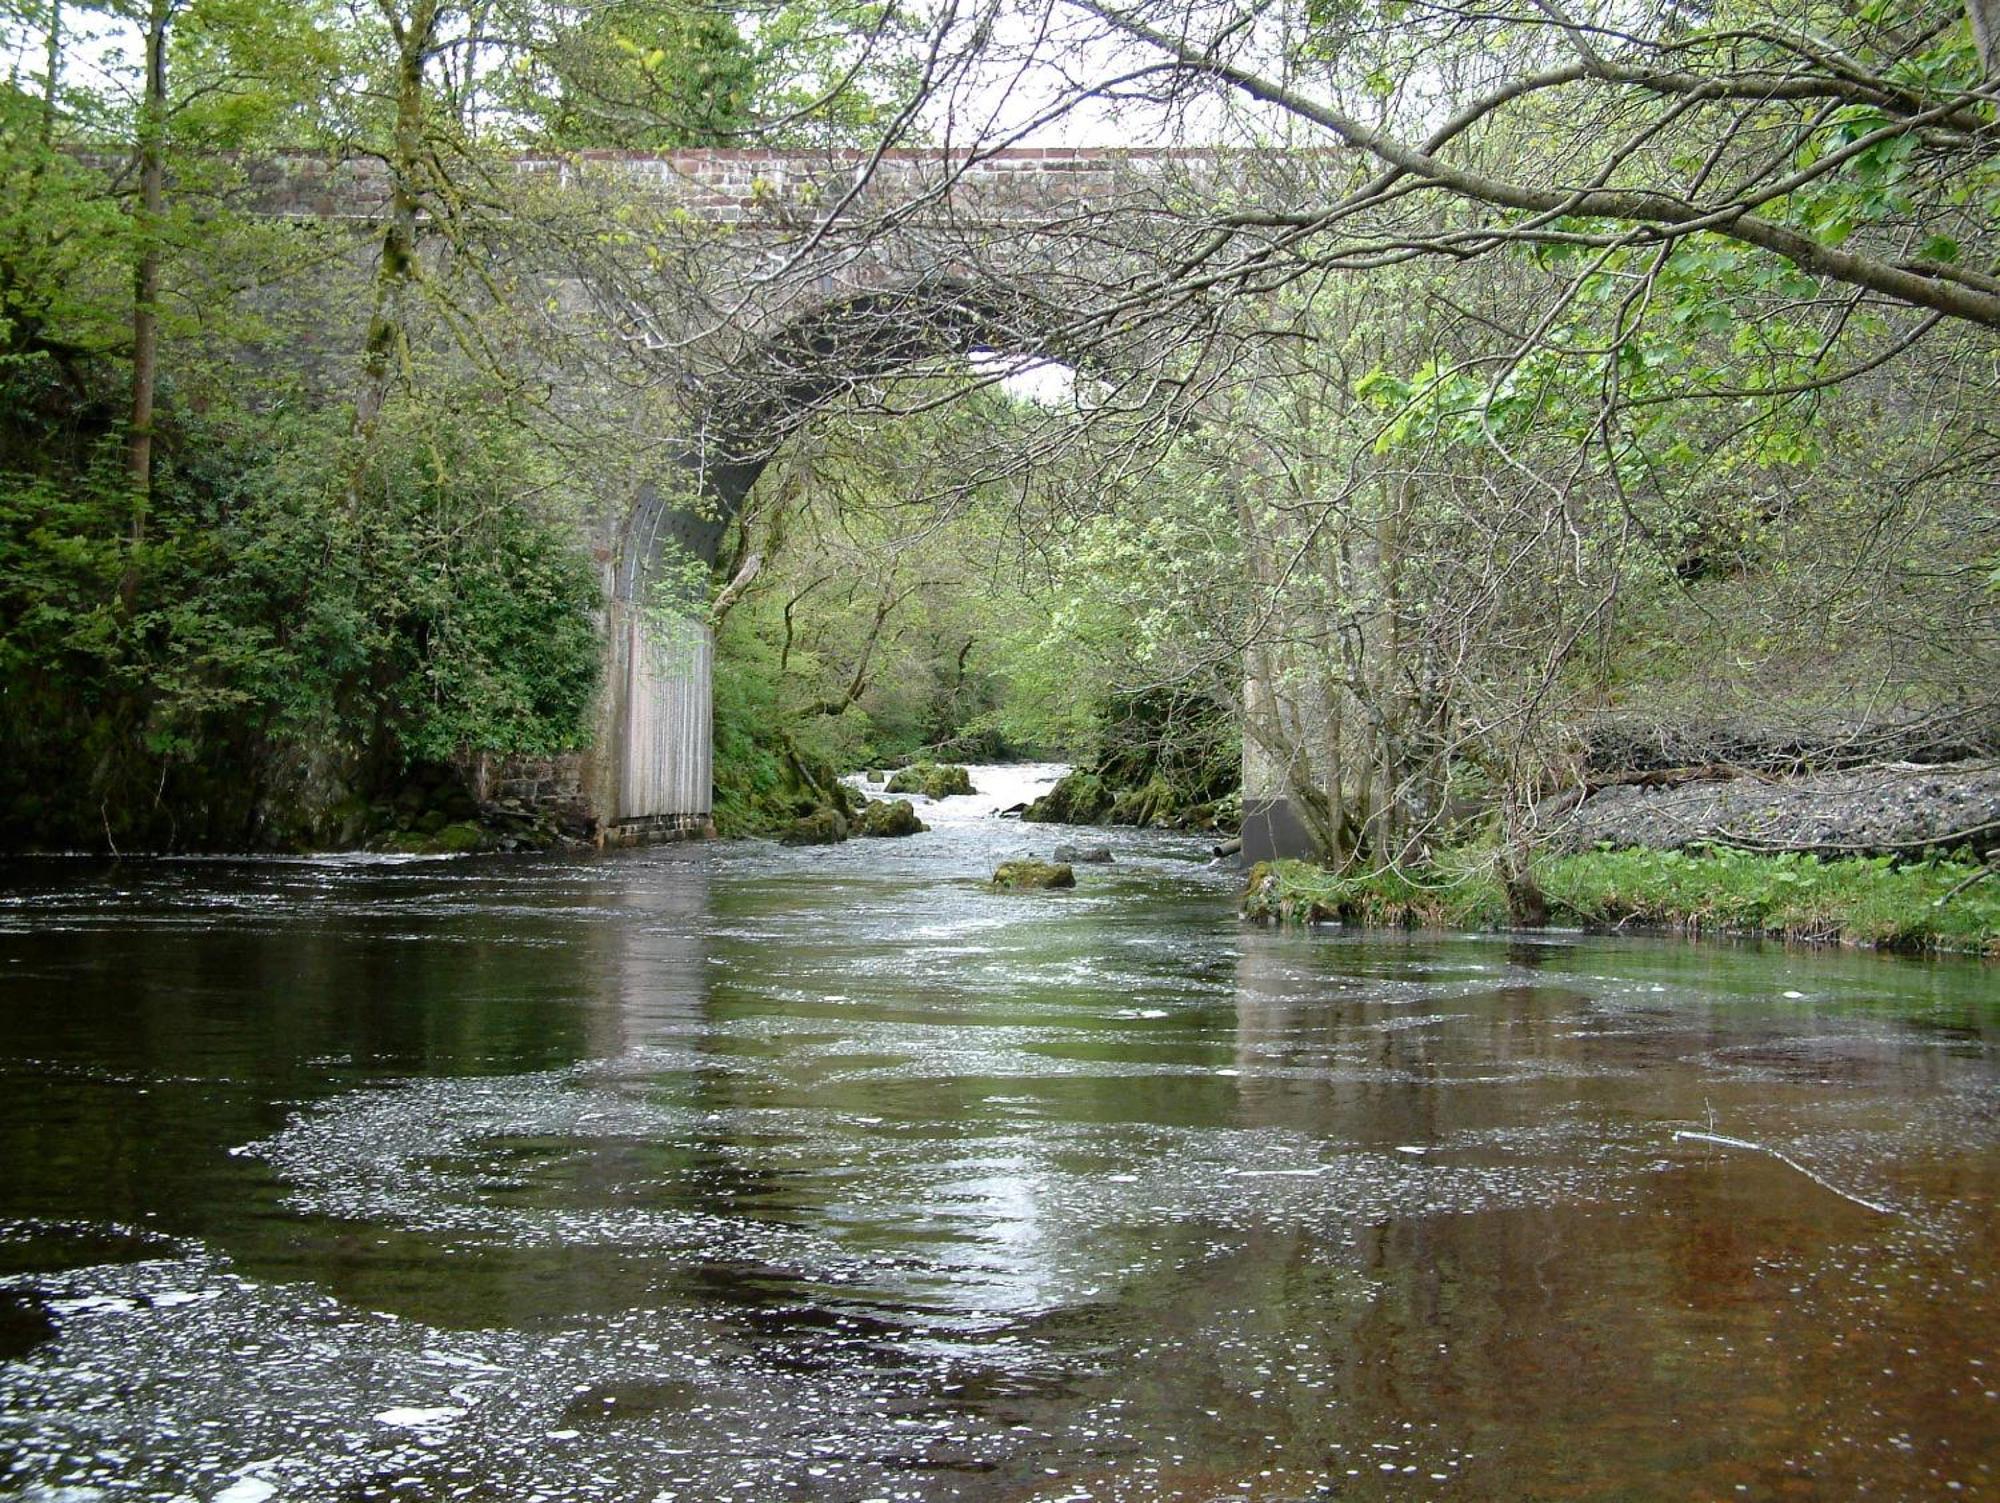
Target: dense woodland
x: 1543, y: 379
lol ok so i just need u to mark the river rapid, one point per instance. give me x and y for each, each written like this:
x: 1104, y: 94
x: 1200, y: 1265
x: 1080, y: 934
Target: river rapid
x: 737, y: 1172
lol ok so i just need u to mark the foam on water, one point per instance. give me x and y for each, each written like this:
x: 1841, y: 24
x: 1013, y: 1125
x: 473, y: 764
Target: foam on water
x: 835, y: 1174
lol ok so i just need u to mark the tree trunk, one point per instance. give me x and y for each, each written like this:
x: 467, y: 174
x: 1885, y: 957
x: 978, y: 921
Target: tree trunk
x: 51, y: 99
x: 146, y: 270
x: 1985, y: 18
x: 388, y: 323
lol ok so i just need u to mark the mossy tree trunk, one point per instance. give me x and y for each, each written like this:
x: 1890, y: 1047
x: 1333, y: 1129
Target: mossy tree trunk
x: 147, y: 221
x: 386, y: 346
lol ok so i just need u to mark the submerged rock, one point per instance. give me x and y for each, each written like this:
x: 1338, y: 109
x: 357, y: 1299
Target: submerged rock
x: 824, y: 826
x: 1089, y: 855
x: 889, y: 817
x: 24, y: 1323
x: 1024, y: 876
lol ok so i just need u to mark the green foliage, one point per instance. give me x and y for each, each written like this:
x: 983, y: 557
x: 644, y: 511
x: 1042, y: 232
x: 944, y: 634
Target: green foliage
x: 248, y: 74
x: 449, y: 613
x: 1457, y: 893
x: 657, y: 75
x: 1855, y: 900
x: 270, y: 619
x: 635, y: 74
x: 771, y: 766
x: 912, y: 605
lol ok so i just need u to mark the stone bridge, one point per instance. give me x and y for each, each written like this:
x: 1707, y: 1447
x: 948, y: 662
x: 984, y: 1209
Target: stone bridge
x: 777, y: 282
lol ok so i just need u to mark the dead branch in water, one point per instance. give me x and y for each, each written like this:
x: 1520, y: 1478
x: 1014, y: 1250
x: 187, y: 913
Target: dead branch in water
x: 1786, y: 1159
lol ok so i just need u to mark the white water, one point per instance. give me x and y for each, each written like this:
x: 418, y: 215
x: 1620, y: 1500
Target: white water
x: 996, y: 786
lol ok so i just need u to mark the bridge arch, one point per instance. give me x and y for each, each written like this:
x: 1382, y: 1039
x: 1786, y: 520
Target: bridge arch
x: 655, y: 734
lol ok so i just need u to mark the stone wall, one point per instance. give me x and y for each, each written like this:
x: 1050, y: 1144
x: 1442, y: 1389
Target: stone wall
x: 551, y: 782
x: 744, y: 185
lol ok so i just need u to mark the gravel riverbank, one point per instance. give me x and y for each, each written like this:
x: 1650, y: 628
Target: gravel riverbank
x: 1858, y: 811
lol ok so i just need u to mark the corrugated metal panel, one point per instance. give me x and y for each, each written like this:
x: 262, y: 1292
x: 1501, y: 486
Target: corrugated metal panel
x: 661, y: 680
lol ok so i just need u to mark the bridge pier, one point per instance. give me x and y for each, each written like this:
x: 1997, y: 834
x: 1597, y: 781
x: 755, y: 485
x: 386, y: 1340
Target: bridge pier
x: 650, y: 772
x: 1272, y: 827
x: 650, y: 775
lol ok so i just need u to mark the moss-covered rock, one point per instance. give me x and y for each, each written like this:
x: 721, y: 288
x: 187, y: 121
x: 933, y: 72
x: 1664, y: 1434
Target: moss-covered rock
x: 889, y: 817
x: 764, y: 781
x: 946, y: 781
x: 1079, y: 798
x: 932, y: 780
x: 460, y: 838
x: 1169, y: 759
x: 446, y: 840
x: 1026, y: 876
x: 1154, y: 803
x: 1224, y: 815
x: 826, y: 825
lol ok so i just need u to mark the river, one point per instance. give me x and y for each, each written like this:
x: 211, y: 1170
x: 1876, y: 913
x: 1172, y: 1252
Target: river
x: 735, y: 1172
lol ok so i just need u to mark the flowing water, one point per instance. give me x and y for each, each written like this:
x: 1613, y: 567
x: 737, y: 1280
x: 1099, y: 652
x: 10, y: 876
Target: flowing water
x: 733, y: 1172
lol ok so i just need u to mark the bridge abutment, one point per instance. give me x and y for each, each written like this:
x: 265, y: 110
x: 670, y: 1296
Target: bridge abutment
x: 649, y: 775
x: 1273, y: 829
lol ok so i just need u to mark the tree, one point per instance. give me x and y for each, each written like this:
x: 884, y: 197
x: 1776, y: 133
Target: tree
x: 151, y: 210
x: 637, y: 74
x: 1851, y: 144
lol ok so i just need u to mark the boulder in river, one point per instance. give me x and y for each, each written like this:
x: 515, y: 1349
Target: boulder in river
x: 1025, y: 876
x: 824, y: 826
x: 886, y: 817
x: 1080, y: 798
x: 1088, y: 855
x: 932, y: 780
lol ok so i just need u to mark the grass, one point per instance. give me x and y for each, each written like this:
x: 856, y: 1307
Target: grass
x: 1929, y: 905
x: 1455, y: 894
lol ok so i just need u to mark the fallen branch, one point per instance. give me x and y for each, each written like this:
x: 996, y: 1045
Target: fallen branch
x: 1992, y: 868
x: 1789, y: 1161
x: 1667, y: 777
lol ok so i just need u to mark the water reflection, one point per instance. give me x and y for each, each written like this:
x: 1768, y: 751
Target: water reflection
x: 733, y: 1171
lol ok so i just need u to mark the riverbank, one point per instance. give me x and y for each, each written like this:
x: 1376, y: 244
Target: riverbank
x: 1940, y: 905
x: 1849, y: 811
